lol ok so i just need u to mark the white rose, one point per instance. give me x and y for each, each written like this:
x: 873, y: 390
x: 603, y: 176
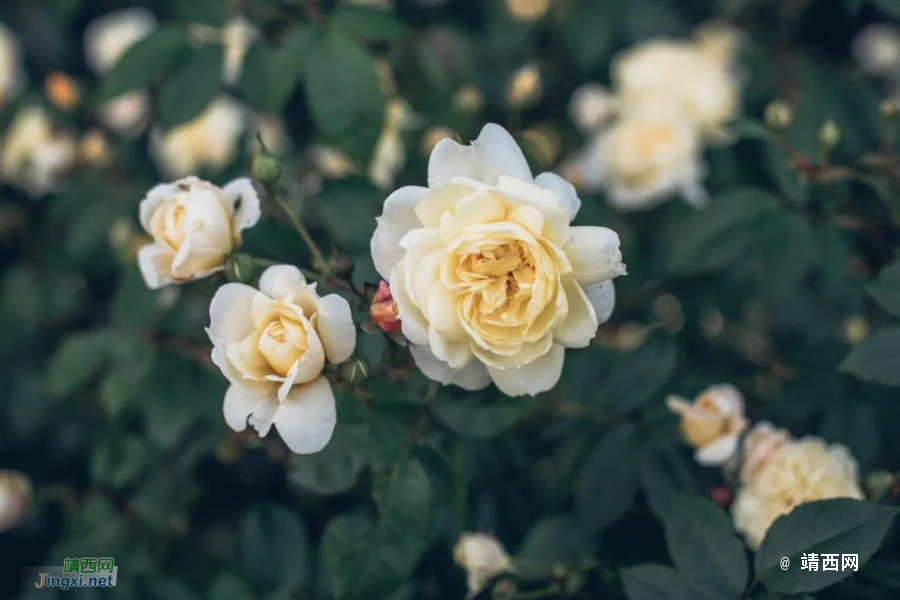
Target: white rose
x: 209, y: 141
x: 390, y: 152
x: 644, y: 159
x: 35, y: 154
x: 797, y: 472
x: 15, y: 498
x: 237, y: 37
x: 591, y: 106
x: 719, y: 40
x: 127, y: 114
x: 760, y: 444
x: 712, y: 423
x: 109, y: 37
x: 271, y: 344
x: 195, y: 225
x: 483, y: 558
x: 877, y: 50
x: 11, y: 72
x: 677, y: 77
x: 490, y: 280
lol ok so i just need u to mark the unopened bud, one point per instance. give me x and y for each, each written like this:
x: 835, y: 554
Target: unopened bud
x: 341, y: 267
x: 525, y: 87
x: 779, y: 116
x: 62, y: 91
x: 878, y: 484
x: 355, y: 371
x: 829, y: 135
x: 384, y: 310
x: 266, y: 168
x: 243, y: 268
x: 15, y: 497
x: 721, y: 495
x: 889, y: 110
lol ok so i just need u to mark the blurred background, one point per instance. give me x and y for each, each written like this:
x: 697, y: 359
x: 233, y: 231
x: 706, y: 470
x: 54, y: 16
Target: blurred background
x: 112, y: 439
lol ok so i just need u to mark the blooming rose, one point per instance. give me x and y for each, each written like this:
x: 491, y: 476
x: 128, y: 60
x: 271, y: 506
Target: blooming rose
x: 798, y: 472
x: 483, y: 558
x: 209, y: 141
x: 106, y: 40
x: 591, y: 106
x: 644, y: 159
x: 35, y: 154
x: 761, y: 442
x: 712, y: 423
x: 877, y: 50
x: 11, y: 73
x: 271, y: 344
x: 490, y: 280
x: 680, y: 78
x: 195, y: 225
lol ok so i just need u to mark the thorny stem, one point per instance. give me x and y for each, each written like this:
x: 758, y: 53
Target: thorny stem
x: 319, y: 261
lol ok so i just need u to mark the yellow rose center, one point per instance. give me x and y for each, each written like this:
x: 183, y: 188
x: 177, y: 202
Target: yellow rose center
x: 174, y: 231
x: 283, y: 342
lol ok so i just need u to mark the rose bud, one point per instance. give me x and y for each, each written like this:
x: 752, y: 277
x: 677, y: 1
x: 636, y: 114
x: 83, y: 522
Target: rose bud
x: 384, y: 309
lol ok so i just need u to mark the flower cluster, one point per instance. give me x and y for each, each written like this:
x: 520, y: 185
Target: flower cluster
x: 776, y: 472
x: 669, y: 98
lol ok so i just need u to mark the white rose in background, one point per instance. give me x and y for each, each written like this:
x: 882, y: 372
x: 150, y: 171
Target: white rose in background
x: 11, y: 72
x: 272, y: 344
x: 712, y: 423
x: 35, y: 154
x: 208, y: 142
x: 679, y: 78
x: 15, y: 498
x: 490, y: 280
x: 876, y: 50
x: 194, y: 225
x: 719, y: 40
x: 483, y: 558
x: 760, y: 444
x: 390, y: 152
x: 797, y: 472
x: 106, y: 40
x: 645, y: 159
x: 592, y: 106
x: 237, y: 37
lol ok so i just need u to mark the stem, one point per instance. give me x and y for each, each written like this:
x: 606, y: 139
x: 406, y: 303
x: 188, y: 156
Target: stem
x: 319, y: 261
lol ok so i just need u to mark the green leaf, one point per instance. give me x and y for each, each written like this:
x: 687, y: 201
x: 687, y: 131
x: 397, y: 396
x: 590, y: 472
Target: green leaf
x: 560, y: 539
x: 480, y: 415
x: 271, y: 74
x: 655, y: 582
x: 79, y: 359
x: 886, y: 289
x: 145, y: 62
x: 367, y: 24
x: 117, y: 462
x: 157, y: 587
x: 608, y: 481
x: 184, y: 96
x: 720, y: 234
x: 370, y: 559
x: 704, y: 547
x: 752, y: 130
x: 876, y: 358
x: 344, y: 94
x: 888, y: 7
x: 273, y: 547
x: 639, y: 375
x: 211, y: 12
x: 334, y: 469
x: 793, y: 183
x: 836, y: 526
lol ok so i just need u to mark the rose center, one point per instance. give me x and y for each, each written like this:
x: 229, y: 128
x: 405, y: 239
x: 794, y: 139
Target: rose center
x: 282, y: 343
x: 174, y: 230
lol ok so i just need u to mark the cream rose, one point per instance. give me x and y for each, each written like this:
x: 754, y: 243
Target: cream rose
x: 272, y: 344
x: 210, y: 141
x: 798, y: 472
x: 11, y: 72
x: 760, y: 443
x: 36, y: 154
x: 491, y: 281
x: 644, y: 159
x: 106, y: 40
x: 877, y: 50
x: 483, y: 558
x: 678, y: 77
x: 591, y: 106
x: 195, y: 225
x: 712, y: 423
x: 237, y: 37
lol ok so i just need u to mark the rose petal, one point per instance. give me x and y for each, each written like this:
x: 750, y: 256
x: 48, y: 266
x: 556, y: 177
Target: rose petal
x: 565, y: 192
x: 594, y: 254
x: 244, y: 196
x: 603, y: 298
x: 230, y: 314
x: 473, y: 377
x: 239, y: 406
x: 493, y: 154
x: 580, y: 325
x: 397, y: 219
x: 334, y: 324
x: 537, y: 376
x: 306, y: 418
x: 155, y: 263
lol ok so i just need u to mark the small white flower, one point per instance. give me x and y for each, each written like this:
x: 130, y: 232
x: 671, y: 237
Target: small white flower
x: 797, y: 472
x: 194, y: 225
x: 237, y: 37
x: 760, y: 443
x: 678, y: 78
x: 108, y: 38
x: 15, y: 498
x: 483, y: 558
x: 11, y: 72
x: 712, y: 423
x: 645, y: 159
x: 592, y: 105
x: 272, y: 344
x: 877, y: 50
x: 35, y: 154
x: 525, y: 87
x: 491, y: 281
x: 390, y: 152
x: 208, y: 142
x: 128, y: 114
